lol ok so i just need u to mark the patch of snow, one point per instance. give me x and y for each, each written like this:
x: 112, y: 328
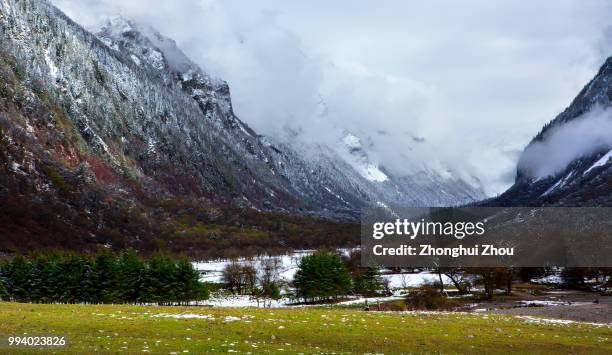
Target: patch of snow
x: 537, y: 320
x: 53, y: 70
x: 601, y: 162
x: 371, y: 300
x: 373, y: 173
x: 17, y: 169
x: 231, y: 318
x: 135, y: 59
x: 559, y: 184
x: 243, y: 301
x: 399, y: 281
x: 351, y: 141
x: 335, y: 195
x: 212, y: 270
x: 156, y: 59
x: 29, y: 128
x: 184, y: 316
x: 151, y: 146
x: 548, y: 303
x: 550, y: 279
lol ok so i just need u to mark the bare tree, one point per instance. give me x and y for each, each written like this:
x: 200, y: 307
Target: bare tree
x: 232, y: 277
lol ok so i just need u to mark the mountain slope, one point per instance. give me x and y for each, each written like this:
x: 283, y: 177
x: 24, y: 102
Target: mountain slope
x: 330, y: 181
x: 146, y: 111
x: 569, y: 162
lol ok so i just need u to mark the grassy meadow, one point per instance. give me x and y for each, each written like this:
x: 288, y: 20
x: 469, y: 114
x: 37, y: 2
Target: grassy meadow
x: 181, y: 330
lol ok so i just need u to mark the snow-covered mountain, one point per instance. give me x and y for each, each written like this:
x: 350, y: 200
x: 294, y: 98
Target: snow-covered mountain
x: 569, y: 163
x: 145, y: 120
x: 348, y: 180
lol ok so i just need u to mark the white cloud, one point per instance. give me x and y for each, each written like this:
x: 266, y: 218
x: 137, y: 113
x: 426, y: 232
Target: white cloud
x: 561, y: 145
x: 442, y: 85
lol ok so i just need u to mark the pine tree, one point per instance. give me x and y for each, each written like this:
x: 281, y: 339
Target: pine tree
x: 367, y: 281
x: 321, y: 275
x: 4, y: 294
x: 188, y: 284
x: 160, y: 280
x: 19, y: 279
x: 73, y: 275
x: 104, y: 279
x: 130, y: 276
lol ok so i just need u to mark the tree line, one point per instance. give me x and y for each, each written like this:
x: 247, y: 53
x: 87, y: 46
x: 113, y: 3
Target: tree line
x: 102, y: 278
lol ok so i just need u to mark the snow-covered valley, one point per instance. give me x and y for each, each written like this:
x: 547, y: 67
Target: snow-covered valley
x: 212, y: 272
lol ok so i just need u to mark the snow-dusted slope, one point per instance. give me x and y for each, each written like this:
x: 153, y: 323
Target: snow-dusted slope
x: 151, y: 114
x: 581, y: 139
x: 350, y: 181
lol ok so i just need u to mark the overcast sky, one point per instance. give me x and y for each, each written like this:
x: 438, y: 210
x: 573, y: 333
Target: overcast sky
x: 474, y: 79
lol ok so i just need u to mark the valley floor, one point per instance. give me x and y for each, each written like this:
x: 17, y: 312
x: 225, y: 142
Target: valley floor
x: 178, y: 330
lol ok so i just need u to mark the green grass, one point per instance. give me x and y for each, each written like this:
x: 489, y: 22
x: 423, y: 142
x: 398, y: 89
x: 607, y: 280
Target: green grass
x: 133, y: 329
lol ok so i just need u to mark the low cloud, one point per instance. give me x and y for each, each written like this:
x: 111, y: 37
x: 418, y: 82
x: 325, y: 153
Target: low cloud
x: 561, y: 145
x: 426, y: 85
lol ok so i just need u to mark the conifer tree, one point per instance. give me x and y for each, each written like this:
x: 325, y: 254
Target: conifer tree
x: 104, y: 283
x: 19, y: 279
x: 321, y: 275
x: 130, y: 276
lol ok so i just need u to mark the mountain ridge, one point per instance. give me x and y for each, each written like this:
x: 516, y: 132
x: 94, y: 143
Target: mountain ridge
x: 586, y: 179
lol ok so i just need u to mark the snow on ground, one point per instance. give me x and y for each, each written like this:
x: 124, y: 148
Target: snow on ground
x: 241, y: 301
x: 537, y: 320
x: 371, y: 300
x: 549, y: 303
x: 550, y: 279
x: 184, y: 316
x: 373, y: 173
x: 212, y: 270
x: 397, y: 281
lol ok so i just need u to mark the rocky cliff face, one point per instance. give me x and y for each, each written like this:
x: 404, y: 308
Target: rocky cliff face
x: 569, y: 163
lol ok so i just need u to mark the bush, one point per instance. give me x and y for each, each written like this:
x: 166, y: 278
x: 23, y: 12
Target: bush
x: 429, y: 297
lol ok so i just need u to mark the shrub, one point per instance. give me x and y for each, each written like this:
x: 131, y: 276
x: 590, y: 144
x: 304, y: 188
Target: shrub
x: 429, y: 297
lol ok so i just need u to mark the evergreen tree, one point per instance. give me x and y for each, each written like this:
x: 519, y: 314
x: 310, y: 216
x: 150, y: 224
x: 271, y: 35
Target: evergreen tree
x: 160, y: 280
x: 130, y: 276
x: 189, y: 286
x: 19, y: 279
x: 104, y: 280
x: 73, y: 272
x: 321, y: 275
x: 367, y: 281
x: 4, y: 294
x: 43, y: 282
